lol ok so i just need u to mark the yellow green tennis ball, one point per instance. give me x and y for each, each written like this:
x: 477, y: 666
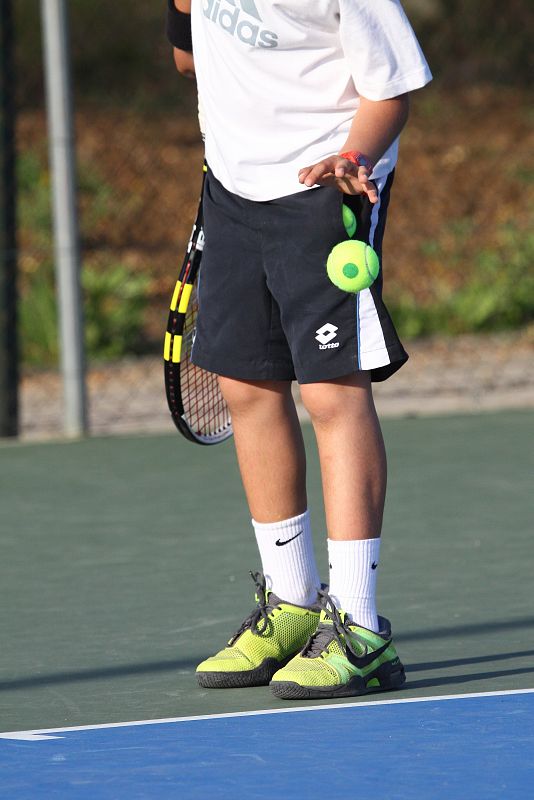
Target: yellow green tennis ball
x: 349, y: 220
x: 352, y: 266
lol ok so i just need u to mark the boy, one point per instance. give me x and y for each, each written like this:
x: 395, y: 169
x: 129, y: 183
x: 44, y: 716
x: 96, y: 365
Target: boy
x: 304, y: 103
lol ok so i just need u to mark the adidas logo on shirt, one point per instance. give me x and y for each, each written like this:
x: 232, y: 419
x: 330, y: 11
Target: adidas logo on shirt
x: 237, y: 21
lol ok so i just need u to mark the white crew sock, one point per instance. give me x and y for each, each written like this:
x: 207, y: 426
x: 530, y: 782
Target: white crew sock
x: 353, y: 567
x: 288, y: 560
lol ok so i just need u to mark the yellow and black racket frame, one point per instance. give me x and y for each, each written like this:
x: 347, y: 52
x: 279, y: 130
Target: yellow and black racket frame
x: 173, y: 349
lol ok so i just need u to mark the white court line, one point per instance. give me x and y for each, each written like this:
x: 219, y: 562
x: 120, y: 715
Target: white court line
x: 47, y: 733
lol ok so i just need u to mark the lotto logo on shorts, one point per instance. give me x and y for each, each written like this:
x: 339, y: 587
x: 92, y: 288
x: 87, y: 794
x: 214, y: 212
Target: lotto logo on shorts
x: 325, y: 334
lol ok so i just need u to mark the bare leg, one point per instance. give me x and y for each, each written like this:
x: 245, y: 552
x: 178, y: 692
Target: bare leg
x: 352, y: 455
x: 269, y: 446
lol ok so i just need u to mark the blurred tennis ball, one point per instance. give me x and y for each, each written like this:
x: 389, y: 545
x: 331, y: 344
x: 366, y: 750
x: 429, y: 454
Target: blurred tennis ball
x: 349, y: 220
x: 352, y: 266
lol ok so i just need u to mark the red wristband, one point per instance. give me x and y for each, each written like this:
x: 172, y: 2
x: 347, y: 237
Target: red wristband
x: 360, y: 159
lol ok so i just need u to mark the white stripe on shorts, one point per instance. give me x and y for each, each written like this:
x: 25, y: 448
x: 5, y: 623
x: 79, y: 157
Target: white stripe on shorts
x: 372, y: 345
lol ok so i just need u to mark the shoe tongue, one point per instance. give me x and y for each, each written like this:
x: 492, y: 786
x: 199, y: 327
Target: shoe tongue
x: 272, y: 599
x: 328, y: 621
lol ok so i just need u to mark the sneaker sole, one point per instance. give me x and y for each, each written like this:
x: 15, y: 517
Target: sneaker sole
x: 288, y: 690
x: 261, y: 676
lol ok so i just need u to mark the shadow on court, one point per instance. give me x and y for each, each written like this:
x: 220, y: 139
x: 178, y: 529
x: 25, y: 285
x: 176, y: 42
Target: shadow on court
x: 122, y: 671
x: 119, y: 671
x: 521, y: 623
x: 125, y: 561
x: 459, y: 662
x: 458, y: 680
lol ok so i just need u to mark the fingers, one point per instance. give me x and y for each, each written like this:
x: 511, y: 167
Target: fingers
x: 360, y: 182
x: 372, y: 194
x: 309, y: 176
x: 344, y: 168
x: 367, y: 184
x: 303, y: 174
x: 334, y: 165
x: 348, y: 177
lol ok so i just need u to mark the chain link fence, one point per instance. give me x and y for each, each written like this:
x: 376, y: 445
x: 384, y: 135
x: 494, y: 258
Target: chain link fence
x: 138, y: 178
x: 139, y: 159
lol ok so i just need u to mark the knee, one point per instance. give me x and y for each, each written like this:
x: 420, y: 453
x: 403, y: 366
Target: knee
x: 245, y: 397
x: 328, y: 403
x: 324, y: 406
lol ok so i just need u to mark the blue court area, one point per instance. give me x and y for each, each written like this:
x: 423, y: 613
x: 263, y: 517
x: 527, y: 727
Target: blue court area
x: 427, y: 748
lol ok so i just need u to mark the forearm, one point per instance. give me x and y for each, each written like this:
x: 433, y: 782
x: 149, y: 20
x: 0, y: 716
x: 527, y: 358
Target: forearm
x: 184, y: 62
x: 376, y: 126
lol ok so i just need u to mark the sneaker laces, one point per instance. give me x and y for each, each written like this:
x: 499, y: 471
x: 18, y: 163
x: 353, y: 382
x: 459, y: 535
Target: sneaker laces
x: 339, y: 630
x: 261, y: 612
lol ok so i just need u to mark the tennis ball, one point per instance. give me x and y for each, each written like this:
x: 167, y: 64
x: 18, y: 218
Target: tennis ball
x: 349, y: 220
x: 352, y: 266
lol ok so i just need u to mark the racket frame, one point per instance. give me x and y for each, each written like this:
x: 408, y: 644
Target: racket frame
x: 173, y: 347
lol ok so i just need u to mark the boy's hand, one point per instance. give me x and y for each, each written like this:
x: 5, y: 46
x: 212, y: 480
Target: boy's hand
x: 336, y: 171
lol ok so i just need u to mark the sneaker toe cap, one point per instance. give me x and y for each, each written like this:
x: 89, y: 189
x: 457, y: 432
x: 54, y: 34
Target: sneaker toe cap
x: 228, y: 660
x: 307, y: 672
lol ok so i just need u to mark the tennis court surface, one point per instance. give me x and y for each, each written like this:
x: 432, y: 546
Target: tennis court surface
x: 125, y: 560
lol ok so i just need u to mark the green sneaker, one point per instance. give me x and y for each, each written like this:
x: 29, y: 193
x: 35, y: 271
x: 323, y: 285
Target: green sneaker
x: 340, y: 660
x: 266, y: 640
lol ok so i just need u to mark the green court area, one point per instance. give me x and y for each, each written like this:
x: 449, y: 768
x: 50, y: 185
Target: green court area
x: 124, y: 561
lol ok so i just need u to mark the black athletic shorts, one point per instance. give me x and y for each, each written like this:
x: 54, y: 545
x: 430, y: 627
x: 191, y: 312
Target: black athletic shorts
x: 267, y: 309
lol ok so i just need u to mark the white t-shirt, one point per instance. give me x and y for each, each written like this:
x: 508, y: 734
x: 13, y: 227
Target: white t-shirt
x: 280, y: 82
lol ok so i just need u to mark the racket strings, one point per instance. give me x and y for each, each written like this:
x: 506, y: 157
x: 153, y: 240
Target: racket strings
x: 204, y: 407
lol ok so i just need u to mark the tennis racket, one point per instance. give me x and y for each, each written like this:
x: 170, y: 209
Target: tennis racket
x: 195, y: 401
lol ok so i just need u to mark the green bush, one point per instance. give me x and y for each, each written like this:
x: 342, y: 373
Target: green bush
x: 498, y: 295
x: 34, y: 210
x: 37, y: 321
x: 115, y: 301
